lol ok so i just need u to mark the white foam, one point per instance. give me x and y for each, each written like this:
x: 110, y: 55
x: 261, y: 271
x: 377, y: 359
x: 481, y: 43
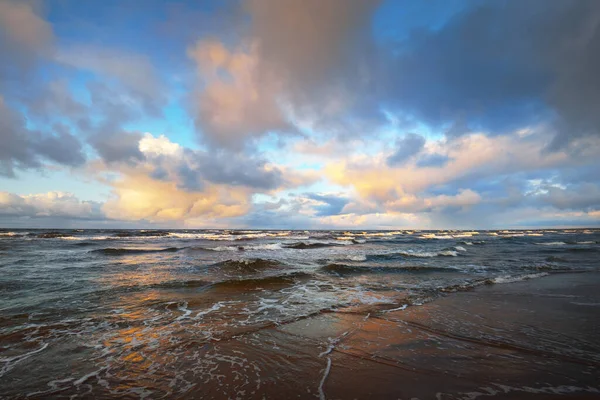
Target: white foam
x: 206, y: 236
x: 10, y: 362
x: 325, y: 374
x: 585, y: 304
x: 552, y: 243
x: 396, y: 309
x: 434, y: 236
x: 225, y: 248
x: 9, y: 234
x: 460, y: 248
x: 429, y: 254
x: 307, y: 298
x: 215, y: 307
x: 265, y: 246
x: 183, y: 308
x: 103, y: 237
x: 352, y: 257
x: 510, y: 279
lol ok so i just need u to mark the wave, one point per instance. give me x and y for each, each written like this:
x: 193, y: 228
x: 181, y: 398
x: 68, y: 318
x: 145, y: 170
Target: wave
x: 192, y: 283
x: 434, y: 236
x: 124, y: 251
x: 266, y: 246
x: 247, y: 265
x: 342, y: 269
x: 304, y: 246
x: 555, y: 259
x: 53, y: 235
x: 11, y: 234
x: 473, y: 242
x: 237, y: 284
x: 264, y: 282
x: 552, y: 243
x: 84, y: 244
x: 141, y: 234
x: 352, y: 257
x: 205, y: 236
x: 415, y: 254
x: 517, y: 278
x: 571, y: 250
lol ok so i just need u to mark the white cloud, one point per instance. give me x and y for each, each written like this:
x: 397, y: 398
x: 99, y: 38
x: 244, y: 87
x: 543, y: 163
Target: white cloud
x: 51, y: 204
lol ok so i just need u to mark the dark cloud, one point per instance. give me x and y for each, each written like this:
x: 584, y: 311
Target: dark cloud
x: 62, y: 147
x: 25, y: 38
x: 48, y: 205
x: 432, y: 160
x: 191, y: 169
x: 333, y: 206
x: 128, y: 76
x: 25, y: 148
x: 504, y: 65
x: 407, y: 147
x: 308, y: 62
x: 117, y: 146
x: 189, y: 178
x: 237, y: 169
x: 583, y: 197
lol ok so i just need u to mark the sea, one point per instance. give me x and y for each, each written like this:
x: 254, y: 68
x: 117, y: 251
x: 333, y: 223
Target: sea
x: 126, y: 313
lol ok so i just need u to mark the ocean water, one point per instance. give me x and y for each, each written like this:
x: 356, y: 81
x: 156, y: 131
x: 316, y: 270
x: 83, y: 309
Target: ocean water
x: 104, y: 313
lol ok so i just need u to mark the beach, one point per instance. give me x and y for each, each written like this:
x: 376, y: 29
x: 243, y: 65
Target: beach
x: 151, y: 318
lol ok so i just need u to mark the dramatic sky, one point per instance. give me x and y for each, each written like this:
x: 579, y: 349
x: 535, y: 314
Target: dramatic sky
x: 300, y: 114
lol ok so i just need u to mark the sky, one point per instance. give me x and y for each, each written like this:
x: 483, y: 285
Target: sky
x: 313, y: 114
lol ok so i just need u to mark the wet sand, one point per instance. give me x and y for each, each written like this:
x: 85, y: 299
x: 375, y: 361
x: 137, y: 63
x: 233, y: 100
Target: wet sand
x: 533, y: 339
x: 538, y: 339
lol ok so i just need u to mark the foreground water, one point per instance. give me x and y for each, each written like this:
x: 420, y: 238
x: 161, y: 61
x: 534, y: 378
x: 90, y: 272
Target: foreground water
x: 105, y: 313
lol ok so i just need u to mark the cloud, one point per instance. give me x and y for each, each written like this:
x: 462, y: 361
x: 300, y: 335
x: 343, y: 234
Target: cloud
x: 584, y: 196
x: 414, y: 204
x: 118, y: 146
x: 408, y: 146
x: 24, y: 37
x: 330, y: 204
x: 235, y: 104
x: 26, y: 148
x: 47, y: 205
x: 500, y: 66
x: 139, y: 84
x: 192, y: 168
x: 472, y: 159
x: 432, y: 160
x: 174, y: 183
x: 139, y: 197
x: 297, y: 61
x: 305, y: 103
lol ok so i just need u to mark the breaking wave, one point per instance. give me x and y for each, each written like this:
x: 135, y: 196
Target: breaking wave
x: 414, y: 254
x: 359, y: 269
x: 124, y: 251
x: 247, y: 265
x: 316, y: 245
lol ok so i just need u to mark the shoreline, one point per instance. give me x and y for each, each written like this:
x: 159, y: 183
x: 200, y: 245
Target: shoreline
x: 534, y: 338
x: 451, y: 348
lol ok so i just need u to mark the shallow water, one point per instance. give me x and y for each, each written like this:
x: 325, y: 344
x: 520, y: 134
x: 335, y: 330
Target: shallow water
x: 142, y: 313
